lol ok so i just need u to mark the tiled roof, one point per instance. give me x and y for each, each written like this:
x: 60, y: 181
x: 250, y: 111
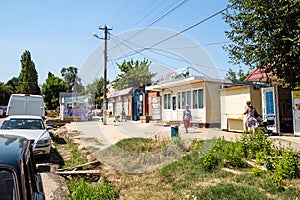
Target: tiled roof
x: 258, y: 75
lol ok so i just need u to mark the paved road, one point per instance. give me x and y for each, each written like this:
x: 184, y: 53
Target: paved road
x: 97, y: 137
x: 114, y: 132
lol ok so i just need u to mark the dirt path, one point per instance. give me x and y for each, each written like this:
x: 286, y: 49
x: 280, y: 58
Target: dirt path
x: 54, y: 185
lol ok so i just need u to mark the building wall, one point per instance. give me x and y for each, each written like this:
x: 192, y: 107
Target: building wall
x: 256, y: 98
x: 233, y: 102
x: 208, y: 115
x: 212, y: 101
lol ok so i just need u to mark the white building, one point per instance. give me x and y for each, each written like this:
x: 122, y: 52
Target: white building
x: 202, y: 94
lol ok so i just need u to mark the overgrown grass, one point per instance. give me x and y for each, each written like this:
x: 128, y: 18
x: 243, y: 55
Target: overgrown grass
x: 83, y: 190
x: 75, y: 158
x: 141, y: 145
x: 200, y: 174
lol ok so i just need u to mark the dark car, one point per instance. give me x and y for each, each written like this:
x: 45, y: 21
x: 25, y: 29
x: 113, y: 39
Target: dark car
x: 19, y: 178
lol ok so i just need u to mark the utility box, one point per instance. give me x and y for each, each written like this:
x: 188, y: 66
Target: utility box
x: 174, y: 131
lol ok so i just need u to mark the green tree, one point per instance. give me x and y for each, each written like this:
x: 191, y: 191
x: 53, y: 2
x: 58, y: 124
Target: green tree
x: 95, y: 91
x: 236, y: 76
x: 28, y: 77
x: 51, y: 88
x: 14, y: 83
x: 71, y: 78
x: 266, y: 34
x: 5, y: 92
x: 133, y: 74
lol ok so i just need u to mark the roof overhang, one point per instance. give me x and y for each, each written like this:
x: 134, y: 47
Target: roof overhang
x: 189, y: 80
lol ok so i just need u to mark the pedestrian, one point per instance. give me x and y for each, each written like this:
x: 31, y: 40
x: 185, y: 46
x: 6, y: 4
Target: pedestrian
x: 251, y: 121
x: 187, y: 117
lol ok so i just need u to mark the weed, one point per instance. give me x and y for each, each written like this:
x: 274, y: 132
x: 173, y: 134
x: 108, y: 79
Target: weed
x: 229, y: 191
x: 80, y: 189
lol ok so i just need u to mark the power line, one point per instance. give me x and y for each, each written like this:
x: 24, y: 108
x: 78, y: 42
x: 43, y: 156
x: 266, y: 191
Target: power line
x: 197, y: 24
x: 176, y: 34
x: 168, y: 13
x: 157, y: 20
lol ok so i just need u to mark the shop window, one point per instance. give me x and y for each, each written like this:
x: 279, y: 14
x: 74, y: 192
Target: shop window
x: 195, y: 99
x: 179, y: 100
x: 183, y: 99
x: 189, y: 98
x: 167, y: 101
x: 200, y: 98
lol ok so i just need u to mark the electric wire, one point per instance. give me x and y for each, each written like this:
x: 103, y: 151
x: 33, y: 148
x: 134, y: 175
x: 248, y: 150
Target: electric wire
x: 157, y: 20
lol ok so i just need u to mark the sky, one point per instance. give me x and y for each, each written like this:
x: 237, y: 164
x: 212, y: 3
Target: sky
x: 58, y: 33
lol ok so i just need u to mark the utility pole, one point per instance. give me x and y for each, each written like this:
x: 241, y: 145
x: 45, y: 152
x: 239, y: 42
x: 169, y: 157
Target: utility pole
x: 105, y: 69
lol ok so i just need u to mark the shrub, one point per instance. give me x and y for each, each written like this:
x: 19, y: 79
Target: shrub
x: 80, y: 189
x: 224, y: 154
x: 257, y: 171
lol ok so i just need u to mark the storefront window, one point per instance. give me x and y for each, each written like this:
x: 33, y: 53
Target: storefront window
x: 179, y: 100
x: 189, y: 98
x: 167, y: 101
x: 195, y: 99
x: 200, y: 98
x: 183, y: 99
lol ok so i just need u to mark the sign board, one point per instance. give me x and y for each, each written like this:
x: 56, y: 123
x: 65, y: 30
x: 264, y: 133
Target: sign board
x: 172, y: 75
x: 155, y: 101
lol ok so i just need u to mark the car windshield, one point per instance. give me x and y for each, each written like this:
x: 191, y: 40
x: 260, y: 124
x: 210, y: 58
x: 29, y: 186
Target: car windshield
x: 7, y: 185
x: 23, y: 124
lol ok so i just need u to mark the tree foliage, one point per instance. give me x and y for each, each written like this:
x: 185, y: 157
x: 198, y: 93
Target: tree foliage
x: 236, y: 76
x: 51, y: 88
x: 5, y: 92
x: 266, y: 34
x: 133, y: 74
x: 95, y: 91
x: 71, y: 78
x: 28, y: 77
x: 14, y: 83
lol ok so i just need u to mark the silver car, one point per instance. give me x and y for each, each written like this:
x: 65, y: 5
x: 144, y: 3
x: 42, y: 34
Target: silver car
x: 30, y: 127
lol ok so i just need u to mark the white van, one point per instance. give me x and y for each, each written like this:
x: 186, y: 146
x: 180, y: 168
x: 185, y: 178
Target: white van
x: 26, y: 104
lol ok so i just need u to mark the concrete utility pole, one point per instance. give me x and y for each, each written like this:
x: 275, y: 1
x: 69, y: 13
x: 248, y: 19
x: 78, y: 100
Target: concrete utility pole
x: 105, y: 69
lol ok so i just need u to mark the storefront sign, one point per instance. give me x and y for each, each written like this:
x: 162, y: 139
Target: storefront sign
x: 155, y: 101
x: 173, y: 75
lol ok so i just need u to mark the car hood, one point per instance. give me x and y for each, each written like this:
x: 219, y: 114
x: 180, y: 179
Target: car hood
x: 28, y: 134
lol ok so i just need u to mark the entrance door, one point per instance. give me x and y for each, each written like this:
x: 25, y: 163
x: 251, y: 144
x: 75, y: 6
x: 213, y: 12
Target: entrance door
x: 296, y: 111
x: 268, y: 106
x: 174, y: 108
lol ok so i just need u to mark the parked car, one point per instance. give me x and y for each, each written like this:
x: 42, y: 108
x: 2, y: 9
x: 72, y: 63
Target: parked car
x: 19, y: 177
x: 4, y: 109
x: 30, y: 127
x: 26, y: 104
x: 1, y: 112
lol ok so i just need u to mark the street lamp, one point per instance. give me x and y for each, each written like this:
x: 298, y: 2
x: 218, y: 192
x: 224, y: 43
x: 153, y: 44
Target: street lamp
x: 105, y: 69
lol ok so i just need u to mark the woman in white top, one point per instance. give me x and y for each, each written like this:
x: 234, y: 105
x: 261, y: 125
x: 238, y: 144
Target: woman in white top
x: 187, y: 117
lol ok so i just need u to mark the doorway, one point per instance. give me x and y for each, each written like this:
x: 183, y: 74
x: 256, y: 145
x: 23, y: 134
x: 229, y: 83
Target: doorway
x: 174, y: 108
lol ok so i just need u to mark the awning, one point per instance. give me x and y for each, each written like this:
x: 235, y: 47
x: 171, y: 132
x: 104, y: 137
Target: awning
x: 176, y: 83
x: 120, y: 93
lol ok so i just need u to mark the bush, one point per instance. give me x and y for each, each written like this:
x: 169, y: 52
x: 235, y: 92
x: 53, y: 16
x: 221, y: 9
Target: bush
x: 80, y: 189
x: 254, y: 143
x: 224, y: 154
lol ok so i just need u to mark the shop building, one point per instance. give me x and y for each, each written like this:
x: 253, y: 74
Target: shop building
x: 202, y: 94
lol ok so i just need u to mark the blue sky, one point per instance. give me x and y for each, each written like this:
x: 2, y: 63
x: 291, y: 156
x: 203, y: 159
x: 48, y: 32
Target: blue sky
x: 59, y: 33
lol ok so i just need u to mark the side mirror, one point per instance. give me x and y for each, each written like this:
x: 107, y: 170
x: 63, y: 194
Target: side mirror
x: 49, y: 127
